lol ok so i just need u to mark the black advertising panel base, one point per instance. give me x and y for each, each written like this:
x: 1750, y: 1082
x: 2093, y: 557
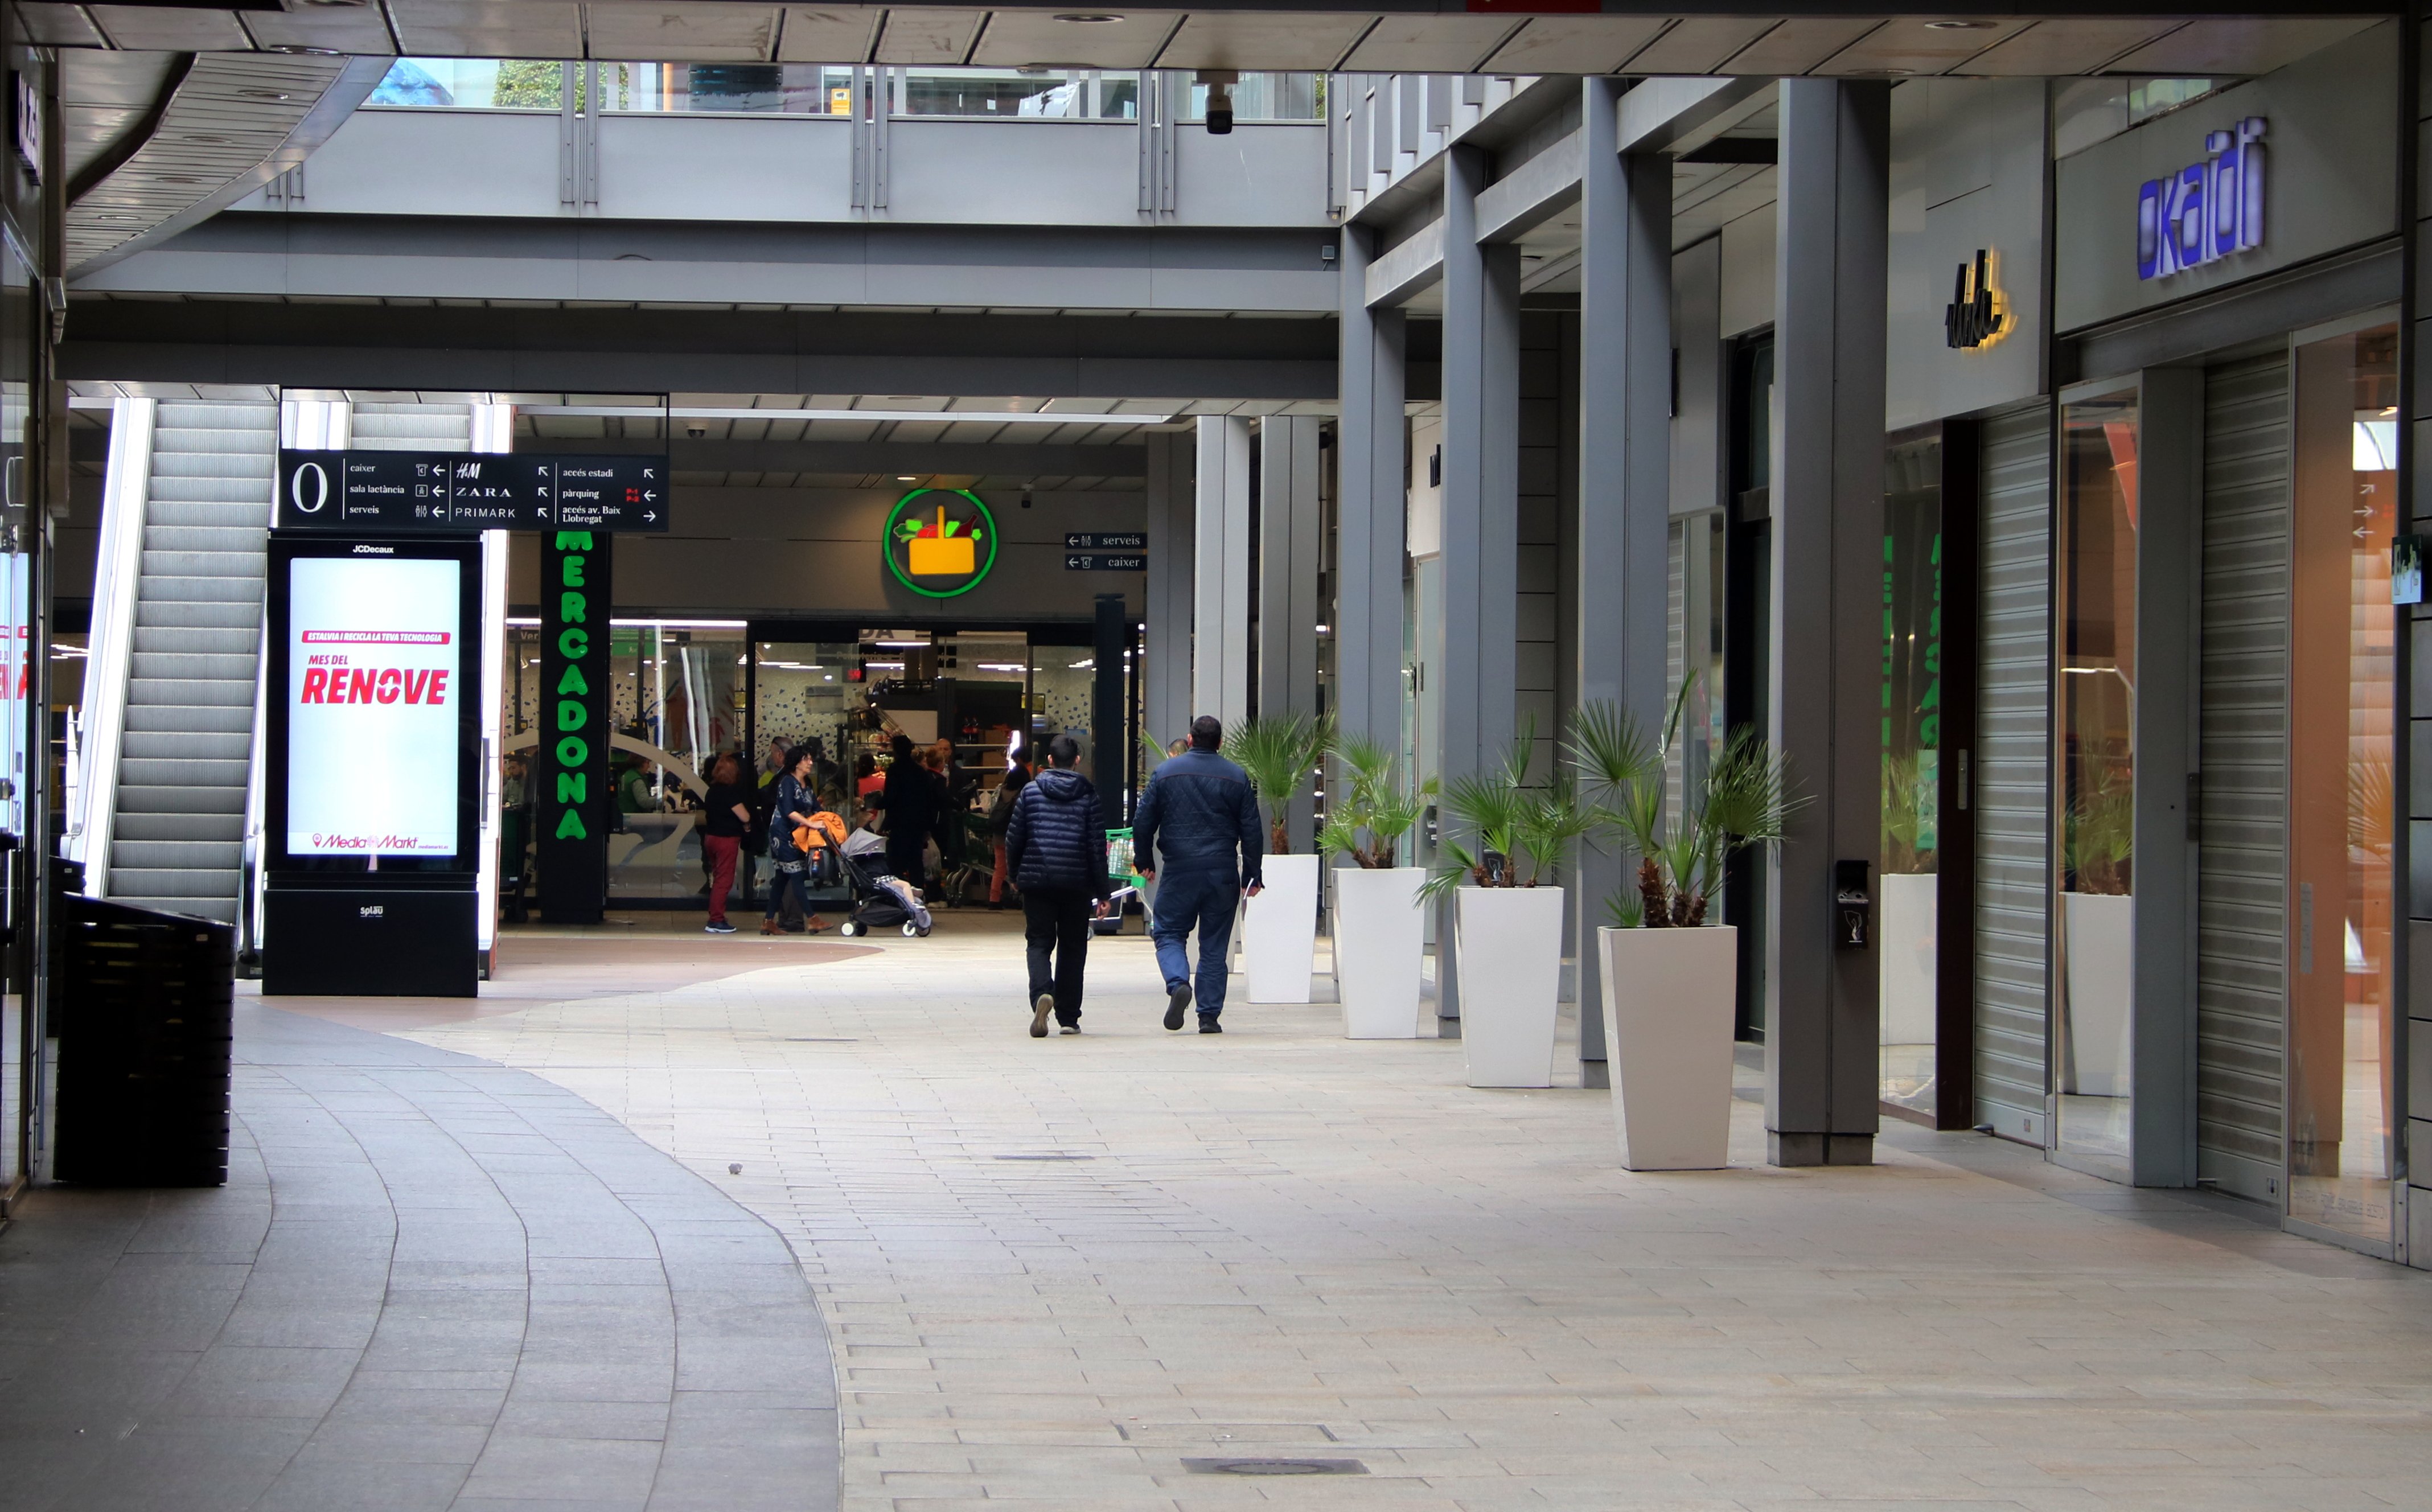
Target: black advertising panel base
x: 143, y: 1014
x: 366, y: 942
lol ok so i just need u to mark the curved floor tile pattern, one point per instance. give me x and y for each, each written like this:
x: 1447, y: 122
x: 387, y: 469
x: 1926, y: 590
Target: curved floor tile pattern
x: 431, y: 1283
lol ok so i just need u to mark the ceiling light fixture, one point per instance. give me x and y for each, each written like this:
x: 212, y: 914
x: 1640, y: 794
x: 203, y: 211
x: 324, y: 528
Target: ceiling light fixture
x: 299, y: 50
x: 1959, y: 26
x: 1084, y: 18
x: 263, y: 94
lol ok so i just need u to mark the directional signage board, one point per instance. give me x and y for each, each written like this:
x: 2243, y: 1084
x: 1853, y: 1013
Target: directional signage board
x: 414, y: 491
x: 1106, y: 540
x: 1105, y: 561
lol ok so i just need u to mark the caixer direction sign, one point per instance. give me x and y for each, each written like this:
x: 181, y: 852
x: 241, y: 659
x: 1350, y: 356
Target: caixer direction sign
x: 939, y: 542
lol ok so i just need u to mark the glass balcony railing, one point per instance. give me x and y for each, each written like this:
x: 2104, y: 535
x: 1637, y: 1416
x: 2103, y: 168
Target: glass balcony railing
x: 825, y: 89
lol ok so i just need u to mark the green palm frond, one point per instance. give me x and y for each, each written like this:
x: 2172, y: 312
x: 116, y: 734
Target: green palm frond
x: 1281, y: 756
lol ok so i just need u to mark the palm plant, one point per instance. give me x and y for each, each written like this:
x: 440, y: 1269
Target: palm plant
x: 1509, y: 820
x: 1744, y: 800
x: 2101, y: 843
x: 1376, y: 808
x: 1281, y: 756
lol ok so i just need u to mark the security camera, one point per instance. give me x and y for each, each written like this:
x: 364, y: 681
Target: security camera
x: 696, y: 429
x: 1219, y: 82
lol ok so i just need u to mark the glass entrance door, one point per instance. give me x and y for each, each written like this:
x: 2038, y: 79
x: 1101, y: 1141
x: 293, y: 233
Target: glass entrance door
x: 2343, y: 804
x: 2095, y: 703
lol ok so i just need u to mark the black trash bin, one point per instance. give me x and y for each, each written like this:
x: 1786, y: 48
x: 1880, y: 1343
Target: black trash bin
x: 142, y: 1010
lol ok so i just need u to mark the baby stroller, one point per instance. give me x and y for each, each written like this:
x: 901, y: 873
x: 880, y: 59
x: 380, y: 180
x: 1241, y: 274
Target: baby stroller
x: 881, y: 900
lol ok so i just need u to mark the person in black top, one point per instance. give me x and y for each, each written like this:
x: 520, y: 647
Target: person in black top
x: 726, y: 813
x: 1056, y: 842
x: 910, y: 799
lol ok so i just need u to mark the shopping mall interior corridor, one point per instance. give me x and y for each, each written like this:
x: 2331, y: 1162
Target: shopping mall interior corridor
x: 662, y: 1221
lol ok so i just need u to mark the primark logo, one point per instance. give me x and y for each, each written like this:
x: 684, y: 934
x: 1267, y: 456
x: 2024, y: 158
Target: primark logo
x: 2206, y: 211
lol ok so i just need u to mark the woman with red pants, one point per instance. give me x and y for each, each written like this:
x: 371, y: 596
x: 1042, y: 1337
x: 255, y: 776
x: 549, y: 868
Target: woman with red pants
x: 724, y: 814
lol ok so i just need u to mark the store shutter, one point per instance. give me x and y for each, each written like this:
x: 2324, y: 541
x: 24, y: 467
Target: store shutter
x: 2011, y: 782
x: 2242, y: 864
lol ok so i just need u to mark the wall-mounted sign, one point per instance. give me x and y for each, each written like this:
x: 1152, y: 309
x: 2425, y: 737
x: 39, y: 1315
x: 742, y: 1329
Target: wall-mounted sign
x: 1978, y: 315
x: 571, y: 802
x: 2206, y: 211
x: 939, y: 542
x: 1105, y: 561
x: 388, y: 492
x: 26, y: 129
x: 1106, y: 540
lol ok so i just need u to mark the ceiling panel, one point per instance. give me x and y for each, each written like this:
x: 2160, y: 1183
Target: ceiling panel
x: 358, y: 29
x: 2202, y: 49
x: 1907, y: 44
x: 475, y: 28
x: 923, y: 36
x: 138, y: 27
x: 1699, y: 43
x: 1429, y: 44
x: 1018, y: 38
x: 1267, y: 40
x: 101, y: 78
x: 1590, y: 44
x: 682, y: 33
x: 1799, y: 44
x: 2073, y: 46
x: 58, y: 26
x: 826, y: 36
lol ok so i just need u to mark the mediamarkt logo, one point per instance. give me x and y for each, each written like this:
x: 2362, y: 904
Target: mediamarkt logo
x: 2206, y: 210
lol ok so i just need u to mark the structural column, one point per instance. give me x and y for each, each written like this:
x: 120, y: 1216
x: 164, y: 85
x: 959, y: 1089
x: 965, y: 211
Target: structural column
x: 1220, y: 660
x: 1370, y: 503
x: 1482, y: 504
x: 1821, y: 1073
x: 1288, y: 607
x: 1625, y: 476
x: 1165, y: 694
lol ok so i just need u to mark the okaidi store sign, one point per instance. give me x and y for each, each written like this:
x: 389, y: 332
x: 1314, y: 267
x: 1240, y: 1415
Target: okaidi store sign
x: 374, y: 669
x: 2206, y: 211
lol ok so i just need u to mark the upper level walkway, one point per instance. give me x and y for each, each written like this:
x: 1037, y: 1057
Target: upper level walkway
x: 1079, y: 1273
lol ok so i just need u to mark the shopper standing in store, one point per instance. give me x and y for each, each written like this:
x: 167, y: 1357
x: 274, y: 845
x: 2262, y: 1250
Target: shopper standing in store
x: 1017, y: 776
x: 1057, y: 844
x: 1199, y: 821
x: 795, y: 806
x: 725, y: 814
x: 910, y: 799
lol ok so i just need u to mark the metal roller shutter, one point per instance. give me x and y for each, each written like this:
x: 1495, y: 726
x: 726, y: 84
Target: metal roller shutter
x: 2012, y: 778
x: 2242, y: 869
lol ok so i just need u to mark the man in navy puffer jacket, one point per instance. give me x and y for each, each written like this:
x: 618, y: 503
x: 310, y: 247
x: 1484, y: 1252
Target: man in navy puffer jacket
x: 1056, y: 846
x: 1199, y: 821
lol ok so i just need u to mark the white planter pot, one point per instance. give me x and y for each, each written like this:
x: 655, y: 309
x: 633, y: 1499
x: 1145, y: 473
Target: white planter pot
x: 1511, y: 945
x: 1379, y: 945
x: 1908, y: 956
x: 1279, y: 931
x: 2100, y: 942
x: 1669, y: 1003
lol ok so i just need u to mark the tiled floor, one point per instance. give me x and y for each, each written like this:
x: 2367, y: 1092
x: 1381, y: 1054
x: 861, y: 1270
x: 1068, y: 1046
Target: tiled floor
x: 1056, y: 1269
x: 430, y: 1283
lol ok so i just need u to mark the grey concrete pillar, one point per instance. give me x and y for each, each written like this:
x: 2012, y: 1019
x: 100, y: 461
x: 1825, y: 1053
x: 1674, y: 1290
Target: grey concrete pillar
x: 1219, y: 656
x: 1821, y: 1074
x: 1368, y: 546
x: 1482, y: 502
x: 1625, y: 476
x: 1165, y: 694
x: 1288, y: 529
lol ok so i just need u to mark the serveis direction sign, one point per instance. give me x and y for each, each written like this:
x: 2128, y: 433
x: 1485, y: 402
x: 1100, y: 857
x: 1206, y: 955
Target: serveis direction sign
x: 414, y: 491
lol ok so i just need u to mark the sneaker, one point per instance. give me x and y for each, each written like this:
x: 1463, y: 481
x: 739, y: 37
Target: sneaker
x: 1207, y: 1024
x: 1178, y: 1002
x: 1039, y: 1012
x: 717, y: 927
x: 1070, y: 1029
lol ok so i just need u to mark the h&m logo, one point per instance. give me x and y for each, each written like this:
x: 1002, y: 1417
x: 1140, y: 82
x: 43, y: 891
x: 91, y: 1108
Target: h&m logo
x: 1979, y: 313
x: 2206, y: 210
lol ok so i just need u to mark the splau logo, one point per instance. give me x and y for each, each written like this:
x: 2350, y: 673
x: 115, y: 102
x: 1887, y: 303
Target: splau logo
x: 2206, y: 210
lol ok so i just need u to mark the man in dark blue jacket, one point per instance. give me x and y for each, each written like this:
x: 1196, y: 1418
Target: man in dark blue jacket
x: 1199, y: 821
x: 1056, y: 845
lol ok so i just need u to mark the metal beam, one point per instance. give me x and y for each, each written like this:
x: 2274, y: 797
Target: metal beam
x: 957, y: 459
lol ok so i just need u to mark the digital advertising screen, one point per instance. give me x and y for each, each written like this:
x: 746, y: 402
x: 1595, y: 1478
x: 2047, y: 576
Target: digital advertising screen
x: 378, y: 692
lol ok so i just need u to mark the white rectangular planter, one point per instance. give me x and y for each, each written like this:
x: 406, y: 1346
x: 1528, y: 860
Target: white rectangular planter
x: 1379, y: 945
x: 2099, y: 937
x: 1669, y: 1003
x: 1510, y: 944
x: 1279, y: 931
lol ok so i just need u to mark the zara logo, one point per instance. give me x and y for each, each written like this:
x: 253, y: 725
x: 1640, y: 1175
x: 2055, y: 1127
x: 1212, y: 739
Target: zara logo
x: 2206, y: 211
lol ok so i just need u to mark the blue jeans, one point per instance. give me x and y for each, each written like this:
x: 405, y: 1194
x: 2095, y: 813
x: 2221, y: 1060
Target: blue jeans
x: 1195, y: 901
